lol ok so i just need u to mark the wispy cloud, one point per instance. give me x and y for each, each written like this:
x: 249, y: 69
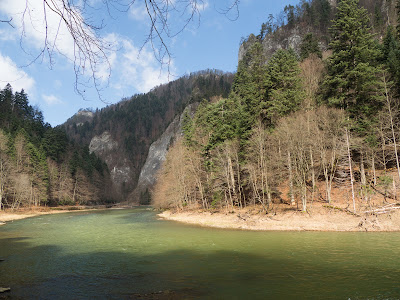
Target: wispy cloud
x: 140, y: 68
x: 138, y: 12
x: 51, y: 100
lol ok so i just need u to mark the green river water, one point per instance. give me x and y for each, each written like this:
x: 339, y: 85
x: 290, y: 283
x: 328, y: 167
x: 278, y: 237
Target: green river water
x: 131, y: 254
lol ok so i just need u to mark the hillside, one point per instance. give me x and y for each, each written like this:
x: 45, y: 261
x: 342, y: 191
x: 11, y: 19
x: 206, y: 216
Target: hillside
x: 121, y: 134
x: 302, y: 128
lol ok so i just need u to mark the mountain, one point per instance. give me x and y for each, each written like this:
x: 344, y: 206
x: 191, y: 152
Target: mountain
x: 121, y: 134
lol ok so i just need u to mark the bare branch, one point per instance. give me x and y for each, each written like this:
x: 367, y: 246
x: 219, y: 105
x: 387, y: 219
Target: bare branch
x: 8, y: 22
x: 90, y: 51
x: 232, y: 9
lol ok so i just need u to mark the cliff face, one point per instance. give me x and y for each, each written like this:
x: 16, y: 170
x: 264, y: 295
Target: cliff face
x: 157, y: 154
x: 282, y: 39
x: 109, y: 150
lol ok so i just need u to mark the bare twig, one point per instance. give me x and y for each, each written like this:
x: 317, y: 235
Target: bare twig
x: 90, y: 51
x: 8, y: 22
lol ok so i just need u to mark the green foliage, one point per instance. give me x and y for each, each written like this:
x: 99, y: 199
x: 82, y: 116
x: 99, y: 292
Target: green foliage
x: 309, y: 45
x: 391, y: 57
x: 398, y: 17
x: 285, y: 92
x: 352, y: 70
x: 289, y: 11
x: 266, y: 91
x: 215, y: 123
x: 55, y: 143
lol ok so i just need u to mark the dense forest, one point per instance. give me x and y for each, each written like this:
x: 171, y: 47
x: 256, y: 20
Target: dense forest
x: 39, y: 165
x: 296, y: 126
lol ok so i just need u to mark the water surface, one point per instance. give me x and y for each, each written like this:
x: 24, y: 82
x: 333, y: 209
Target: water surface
x: 129, y: 254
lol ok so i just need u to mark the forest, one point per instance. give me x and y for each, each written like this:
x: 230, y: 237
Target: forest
x: 39, y: 165
x: 297, y: 127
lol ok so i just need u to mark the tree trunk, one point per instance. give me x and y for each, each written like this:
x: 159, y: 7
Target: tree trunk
x: 392, y: 126
x: 351, y: 170
x: 373, y: 168
x: 291, y: 179
x: 312, y: 175
x: 363, y: 178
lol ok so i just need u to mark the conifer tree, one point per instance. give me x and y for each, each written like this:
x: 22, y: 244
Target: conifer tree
x: 398, y: 17
x: 391, y: 57
x: 308, y: 46
x: 352, y: 79
x: 285, y: 91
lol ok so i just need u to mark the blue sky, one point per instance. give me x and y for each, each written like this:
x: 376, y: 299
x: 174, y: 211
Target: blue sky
x: 211, y: 43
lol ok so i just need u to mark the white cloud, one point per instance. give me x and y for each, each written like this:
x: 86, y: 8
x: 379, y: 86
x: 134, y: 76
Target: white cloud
x: 138, y: 12
x: 51, y: 99
x: 30, y: 19
x: 140, y: 69
x: 10, y: 73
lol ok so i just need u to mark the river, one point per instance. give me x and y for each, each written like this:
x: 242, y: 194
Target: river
x: 131, y: 254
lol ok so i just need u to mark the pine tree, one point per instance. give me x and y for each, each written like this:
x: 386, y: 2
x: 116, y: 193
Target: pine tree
x: 250, y: 90
x: 285, y: 91
x: 398, y: 18
x: 391, y: 57
x: 308, y: 46
x: 352, y: 79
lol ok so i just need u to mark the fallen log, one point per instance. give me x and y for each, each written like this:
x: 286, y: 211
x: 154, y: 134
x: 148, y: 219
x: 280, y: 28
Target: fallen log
x: 3, y: 290
x: 383, y: 210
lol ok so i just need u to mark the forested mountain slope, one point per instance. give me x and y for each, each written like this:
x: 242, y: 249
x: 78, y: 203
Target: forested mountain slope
x: 308, y: 23
x: 39, y: 165
x: 121, y: 134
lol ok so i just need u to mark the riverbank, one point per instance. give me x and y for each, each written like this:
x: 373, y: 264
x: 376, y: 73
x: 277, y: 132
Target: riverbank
x: 23, y: 213
x: 322, y: 218
x: 19, y: 214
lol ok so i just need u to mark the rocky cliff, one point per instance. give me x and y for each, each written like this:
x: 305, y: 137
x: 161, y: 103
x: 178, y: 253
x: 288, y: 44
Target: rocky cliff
x: 157, y: 154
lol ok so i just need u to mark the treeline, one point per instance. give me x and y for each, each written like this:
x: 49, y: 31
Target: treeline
x: 318, y: 14
x: 38, y: 164
x: 292, y: 128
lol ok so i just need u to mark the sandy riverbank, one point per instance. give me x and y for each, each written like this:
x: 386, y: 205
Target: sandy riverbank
x: 18, y: 214
x: 13, y: 215
x: 320, y: 219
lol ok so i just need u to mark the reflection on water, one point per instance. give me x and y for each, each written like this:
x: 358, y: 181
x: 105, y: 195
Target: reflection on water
x: 131, y: 254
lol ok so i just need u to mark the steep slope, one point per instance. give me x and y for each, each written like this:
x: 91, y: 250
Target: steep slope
x: 121, y: 134
x: 288, y: 29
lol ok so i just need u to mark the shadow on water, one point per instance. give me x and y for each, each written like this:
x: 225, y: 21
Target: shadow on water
x: 45, y: 272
